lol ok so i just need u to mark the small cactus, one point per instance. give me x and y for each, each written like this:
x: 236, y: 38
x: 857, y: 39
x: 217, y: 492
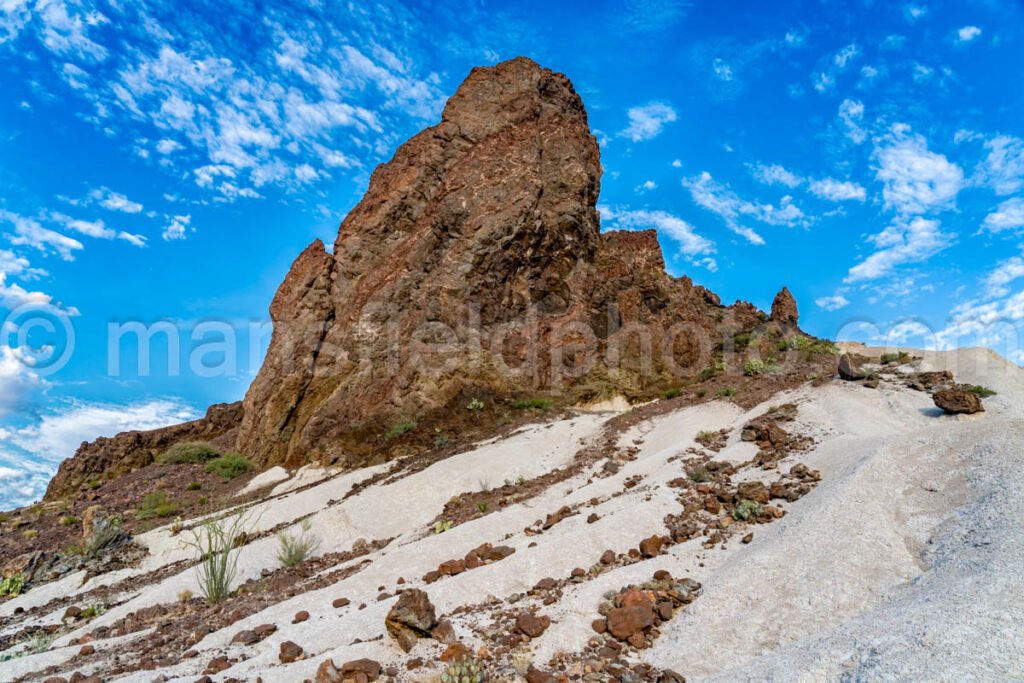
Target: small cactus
x: 467, y: 669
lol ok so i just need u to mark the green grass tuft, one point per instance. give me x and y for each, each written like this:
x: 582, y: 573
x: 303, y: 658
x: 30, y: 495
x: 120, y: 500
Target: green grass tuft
x: 229, y: 466
x: 189, y: 452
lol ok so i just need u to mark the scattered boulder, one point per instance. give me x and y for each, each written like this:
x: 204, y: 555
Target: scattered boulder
x: 651, y: 547
x: 411, y: 618
x: 958, y: 401
x: 754, y: 491
x: 290, y: 652
x: 531, y: 625
x: 850, y: 368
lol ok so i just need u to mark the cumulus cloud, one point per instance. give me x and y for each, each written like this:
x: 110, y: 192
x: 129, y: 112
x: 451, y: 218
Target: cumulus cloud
x: 28, y: 232
x: 832, y: 303
x: 17, y: 380
x: 837, y: 190
x: 115, y: 201
x: 967, y: 33
x: 997, y: 282
x: 916, y: 180
x: 694, y: 247
x: 58, y: 434
x: 851, y: 114
x: 1008, y: 216
x: 846, y: 55
x: 177, y: 228
x: 647, y: 122
x: 775, y: 174
x: 1003, y: 168
x: 720, y: 199
x: 911, y: 242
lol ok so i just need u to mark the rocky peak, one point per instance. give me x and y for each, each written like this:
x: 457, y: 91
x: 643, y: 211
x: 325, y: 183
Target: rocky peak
x: 784, y: 309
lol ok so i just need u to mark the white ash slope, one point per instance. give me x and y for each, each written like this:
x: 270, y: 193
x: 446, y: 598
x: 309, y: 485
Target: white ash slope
x: 903, y: 564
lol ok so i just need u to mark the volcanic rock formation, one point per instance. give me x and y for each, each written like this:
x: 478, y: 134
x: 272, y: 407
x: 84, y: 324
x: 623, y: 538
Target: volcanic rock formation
x: 474, y: 265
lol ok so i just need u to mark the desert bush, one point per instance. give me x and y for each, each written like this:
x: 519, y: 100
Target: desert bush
x: 699, y: 475
x: 12, y: 587
x: 294, y: 548
x: 93, y: 610
x: 804, y: 343
x: 756, y: 366
x: 483, y: 506
x: 726, y: 392
x: 29, y: 534
x: 156, y: 504
x: 742, y: 339
x: 465, y: 669
x: 475, y: 404
x: 194, y: 486
x: 900, y: 357
x: 707, y: 437
x: 745, y: 510
x: 189, y: 452
x: 214, y: 543
x: 441, y: 527
x: 673, y: 393
x: 401, y: 428
x: 68, y: 520
x: 228, y: 466
x: 983, y: 392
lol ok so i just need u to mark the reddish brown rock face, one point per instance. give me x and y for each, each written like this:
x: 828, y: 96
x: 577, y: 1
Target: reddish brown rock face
x: 474, y: 260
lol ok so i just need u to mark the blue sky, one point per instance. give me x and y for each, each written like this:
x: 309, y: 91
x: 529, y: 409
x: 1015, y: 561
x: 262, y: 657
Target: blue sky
x: 167, y: 161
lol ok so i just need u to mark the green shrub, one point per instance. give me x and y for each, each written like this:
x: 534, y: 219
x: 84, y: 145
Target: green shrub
x: 756, y: 366
x: 228, y: 466
x: 483, y: 507
x: 189, y: 452
x: 12, y: 587
x: 728, y: 391
x: 534, y: 404
x: 699, y: 475
x: 401, y: 428
x: 94, y: 484
x: 441, y: 440
x: 475, y: 404
x: 294, y: 548
x: 156, y: 504
x: 701, y: 393
x: 441, y: 527
x: 707, y: 437
x: 673, y: 393
x: 465, y: 669
x: 68, y: 520
x: 194, y: 486
x: 900, y: 357
x: 745, y: 510
x: 983, y: 392
x: 742, y: 339
x: 214, y: 543
x: 822, y: 346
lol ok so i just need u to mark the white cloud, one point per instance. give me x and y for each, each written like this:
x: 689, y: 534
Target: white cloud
x: 916, y: 180
x: 776, y: 175
x: 996, y: 282
x: 137, y: 240
x: 58, y: 434
x: 846, y: 55
x: 65, y: 29
x: 914, y: 12
x: 722, y: 70
x: 900, y: 244
x: 647, y: 122
x: 693, y: 246
x: 967, y: 33
x: 115, y: 201
x: 14, y: 15
x: 178, y: 228
x: 1003, y: 168
x: 851, y: 113
x: 12, y: 264
x: 17, y: 380
x: 90, y: 228
x: 721, y: 200
x: 645, y: 186
x: 823, y: 81
x: 837, y: 190
x: 12, y: 296
x: 28, y: 232
x: 168, y: 146
x: 1008, y: 216
x: 832, y: 303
